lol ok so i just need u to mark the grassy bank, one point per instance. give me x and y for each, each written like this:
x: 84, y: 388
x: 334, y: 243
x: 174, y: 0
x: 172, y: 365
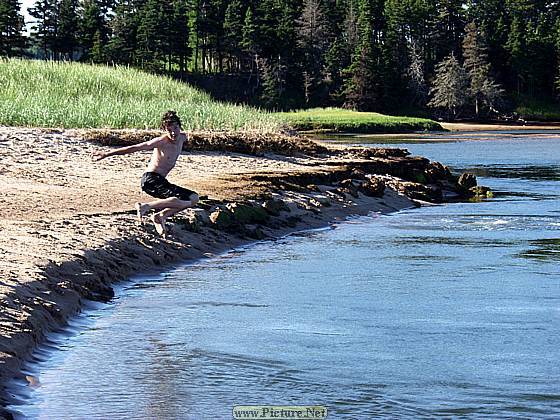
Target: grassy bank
x: 338, y: 120
x: 59, y: 94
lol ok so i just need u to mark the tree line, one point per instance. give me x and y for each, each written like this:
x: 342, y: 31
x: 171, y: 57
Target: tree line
x: 469, y: 58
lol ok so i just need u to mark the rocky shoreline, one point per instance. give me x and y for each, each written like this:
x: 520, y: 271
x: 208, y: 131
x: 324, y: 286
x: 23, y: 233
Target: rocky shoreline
x: 70, y: 237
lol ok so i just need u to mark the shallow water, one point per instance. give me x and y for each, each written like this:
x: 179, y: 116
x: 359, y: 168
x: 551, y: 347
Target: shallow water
x: 447, y: 310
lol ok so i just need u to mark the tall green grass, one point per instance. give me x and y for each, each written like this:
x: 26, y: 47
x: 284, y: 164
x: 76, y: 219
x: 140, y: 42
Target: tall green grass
x: 337, y: 119
x: 73, y: 95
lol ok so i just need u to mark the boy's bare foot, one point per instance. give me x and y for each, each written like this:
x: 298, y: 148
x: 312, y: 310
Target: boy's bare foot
x: 159, y: 223
x: 141, y: 210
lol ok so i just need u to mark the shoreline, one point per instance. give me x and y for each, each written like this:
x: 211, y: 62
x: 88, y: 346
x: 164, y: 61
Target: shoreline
x: 462, y: 127
x: 164, y: 255
x: 55, y: 257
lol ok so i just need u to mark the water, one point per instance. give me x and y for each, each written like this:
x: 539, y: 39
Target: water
x: 443, y: 311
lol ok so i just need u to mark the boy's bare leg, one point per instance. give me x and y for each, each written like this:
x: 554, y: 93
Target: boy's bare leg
x: 159, y: 224
x: 170, y: 207
x: 141, y: 210
x: 165, y: 203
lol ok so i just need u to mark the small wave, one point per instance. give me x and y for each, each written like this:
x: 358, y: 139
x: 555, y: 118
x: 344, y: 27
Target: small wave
x: 500, y: 222
x: 242, y: 304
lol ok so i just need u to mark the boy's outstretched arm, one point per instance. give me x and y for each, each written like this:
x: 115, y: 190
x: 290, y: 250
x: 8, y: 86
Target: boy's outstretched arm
x: 147, y: 145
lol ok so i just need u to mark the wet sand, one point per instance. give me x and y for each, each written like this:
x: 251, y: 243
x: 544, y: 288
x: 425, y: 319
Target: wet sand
x: 69, y: 231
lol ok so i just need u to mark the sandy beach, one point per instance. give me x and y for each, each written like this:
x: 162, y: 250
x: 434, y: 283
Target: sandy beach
x: 69, y: 230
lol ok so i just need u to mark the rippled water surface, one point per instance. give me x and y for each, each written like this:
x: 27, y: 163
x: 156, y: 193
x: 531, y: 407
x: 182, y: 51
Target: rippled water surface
x: 447, y: 310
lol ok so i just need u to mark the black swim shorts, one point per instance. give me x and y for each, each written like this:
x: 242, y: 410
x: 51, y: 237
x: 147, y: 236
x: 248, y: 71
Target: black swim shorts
x: 157, y: 186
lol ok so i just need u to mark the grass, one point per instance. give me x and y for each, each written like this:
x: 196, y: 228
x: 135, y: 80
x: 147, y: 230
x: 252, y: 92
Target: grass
x: 73, y: 95
x: 338, y: 120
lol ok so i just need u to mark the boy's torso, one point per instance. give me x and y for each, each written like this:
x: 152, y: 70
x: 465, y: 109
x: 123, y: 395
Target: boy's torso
x: 165, y: 155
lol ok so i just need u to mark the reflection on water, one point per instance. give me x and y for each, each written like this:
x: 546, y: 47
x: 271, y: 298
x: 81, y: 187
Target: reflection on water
x: 442, y: 311
x: 544, y: 249
x: 548, y: 173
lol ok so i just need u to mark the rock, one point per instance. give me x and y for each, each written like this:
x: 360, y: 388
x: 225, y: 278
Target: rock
x: 480, y: 192
x: 466, y: 181
x: 201, y: 216
x: 348, y: 186
x: 292, y: 221
x: 421, y: 192
x: 222, y: 218
x: 320, y: 201
x: 358, y: 174
x: 421, y: 177
x: 374, y: 187
x: 274, y: 207
x: 246, y: 214
x: 188, y: 222
x: 254, y: 232
x: 436, y: 171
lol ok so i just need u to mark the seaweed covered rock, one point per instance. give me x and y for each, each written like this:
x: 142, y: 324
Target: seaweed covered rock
x: 466, y: 181
x: 436, y: 172
x: 222, y: 218
x: 417, y: 191
x: 347, y: 186
x: 274, y: 206
x: 480, y: 192
x: 373, y: 187
x: 467, y: 187
x: 247, y: 214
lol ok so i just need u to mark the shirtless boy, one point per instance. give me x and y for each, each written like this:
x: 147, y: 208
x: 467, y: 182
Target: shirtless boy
x: 166, y: 149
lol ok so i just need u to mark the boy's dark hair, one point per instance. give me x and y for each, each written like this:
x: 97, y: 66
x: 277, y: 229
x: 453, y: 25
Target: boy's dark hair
x: 169, y: 118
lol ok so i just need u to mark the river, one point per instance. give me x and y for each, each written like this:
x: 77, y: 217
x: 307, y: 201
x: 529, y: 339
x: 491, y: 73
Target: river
x: 442, y: 311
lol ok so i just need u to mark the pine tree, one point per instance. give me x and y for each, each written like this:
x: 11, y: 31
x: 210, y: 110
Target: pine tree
x: 313, y: 39
x: 66, y: 36
x: 149, y: 53
x: 97, y: 53
x: 12, y: 40
x: 233, y: 32
x: 416, y: 80
x: 483, y: 88
x: 289, y: 54
x: 91, y: 29
x: 516, y: 45
x: 249, y: 34
x: 273, y: 76
x: 449, y: 90
x: 408, y: 23
x: 492, y: 18
x: 44, y: 28
x: 350, y: 34
x: 362, y: 88
x: 124, y: 26
x: 194, y: 34
x: 178, y: 34
x: 312, y: 27
x: 449, y: 24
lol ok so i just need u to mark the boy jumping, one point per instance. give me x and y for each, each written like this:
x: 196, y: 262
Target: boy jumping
x: 166, y: 149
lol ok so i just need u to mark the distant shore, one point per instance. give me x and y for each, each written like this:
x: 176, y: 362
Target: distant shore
x: 499, y: 126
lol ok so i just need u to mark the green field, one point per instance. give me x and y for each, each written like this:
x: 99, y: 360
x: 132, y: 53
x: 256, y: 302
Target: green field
x: 72, y: 95
x: 340, y: 120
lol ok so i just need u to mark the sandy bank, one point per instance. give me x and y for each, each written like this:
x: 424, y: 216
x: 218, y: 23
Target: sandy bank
x: 68, y: 232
